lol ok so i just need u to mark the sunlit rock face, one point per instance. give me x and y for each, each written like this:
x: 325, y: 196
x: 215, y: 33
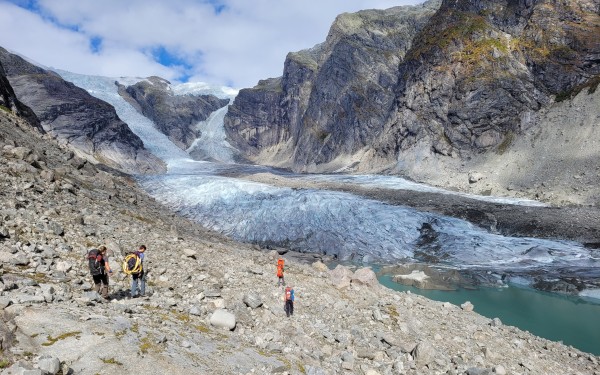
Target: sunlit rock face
x: 176, y: 116
x: 89, y: 126
x: 443, y: 80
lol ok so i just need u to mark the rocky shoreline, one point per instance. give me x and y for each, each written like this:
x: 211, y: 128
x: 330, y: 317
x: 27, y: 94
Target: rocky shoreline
x: 55, y: 206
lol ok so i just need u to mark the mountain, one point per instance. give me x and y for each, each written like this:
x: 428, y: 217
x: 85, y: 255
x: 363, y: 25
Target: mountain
x: 174, y: 115
x: 453, y: 93
x: 88, y: 125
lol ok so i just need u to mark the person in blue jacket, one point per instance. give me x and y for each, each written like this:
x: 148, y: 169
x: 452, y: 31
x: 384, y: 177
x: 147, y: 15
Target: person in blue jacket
x: 289, y: 301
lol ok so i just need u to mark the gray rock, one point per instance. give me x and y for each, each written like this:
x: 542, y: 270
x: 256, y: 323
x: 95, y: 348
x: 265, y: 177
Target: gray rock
x: 340, y: 277
x: 223, y: 319
x: 365, y: 276
x: 424, y: 353
x: 194, y: 310
x: 252, y: 300
x: 467, y: 306
x: 49, y: 365
x: 478, y: 371
x: 496, y: 322
x: 20, y: 260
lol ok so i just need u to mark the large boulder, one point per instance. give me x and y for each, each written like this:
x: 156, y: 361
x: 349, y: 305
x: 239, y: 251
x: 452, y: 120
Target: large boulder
x: 223, y: 319
x: 365, y: 276
x: 341, y: 276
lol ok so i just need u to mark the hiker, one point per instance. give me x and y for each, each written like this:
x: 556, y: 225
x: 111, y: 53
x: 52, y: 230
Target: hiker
x: 280, y: 270
x: 99, y: 269
x: 135, y: 276
x: 289, y: 301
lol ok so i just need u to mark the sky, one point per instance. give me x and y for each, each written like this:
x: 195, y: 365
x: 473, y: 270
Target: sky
x: 224, y: 42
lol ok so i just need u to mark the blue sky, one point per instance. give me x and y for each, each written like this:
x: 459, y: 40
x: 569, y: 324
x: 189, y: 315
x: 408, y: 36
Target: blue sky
x: 228, y: 42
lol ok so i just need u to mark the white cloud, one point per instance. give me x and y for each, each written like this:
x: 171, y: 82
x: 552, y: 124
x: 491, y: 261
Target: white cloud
x: 244, y: 42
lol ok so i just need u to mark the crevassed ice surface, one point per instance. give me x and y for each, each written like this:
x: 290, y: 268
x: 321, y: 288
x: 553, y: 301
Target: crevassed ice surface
x: 349, y: 226
x: 326, y: 221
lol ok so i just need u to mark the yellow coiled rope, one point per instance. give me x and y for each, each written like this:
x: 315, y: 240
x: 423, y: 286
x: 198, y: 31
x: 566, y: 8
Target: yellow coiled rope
x: 138, y: 264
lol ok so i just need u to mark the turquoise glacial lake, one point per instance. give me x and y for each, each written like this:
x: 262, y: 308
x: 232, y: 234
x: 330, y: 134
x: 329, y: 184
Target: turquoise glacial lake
x: 573, y: 320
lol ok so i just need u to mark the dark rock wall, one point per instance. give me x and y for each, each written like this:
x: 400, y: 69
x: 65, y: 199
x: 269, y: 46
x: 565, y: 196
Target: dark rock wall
x: 9, y: 102
x: 174, y: 115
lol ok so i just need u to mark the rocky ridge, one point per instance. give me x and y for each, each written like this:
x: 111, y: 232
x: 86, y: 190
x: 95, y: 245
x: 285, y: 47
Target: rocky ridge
x: 443, y: 93
x: 88, y: 125
x: 213, y: 304
x: 174, y: 115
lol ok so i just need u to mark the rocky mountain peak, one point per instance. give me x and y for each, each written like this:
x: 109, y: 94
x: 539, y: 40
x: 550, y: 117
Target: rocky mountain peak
x: 177, y: 116
x: 411, y: 89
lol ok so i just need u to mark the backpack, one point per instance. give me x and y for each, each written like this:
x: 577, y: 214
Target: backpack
x: 95, y: 262
x: 279, y: 271
x: 288, y: 294
x: 132, y: 264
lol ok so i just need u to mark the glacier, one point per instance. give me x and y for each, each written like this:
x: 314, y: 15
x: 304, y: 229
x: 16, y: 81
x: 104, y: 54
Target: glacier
x: 340, y: 224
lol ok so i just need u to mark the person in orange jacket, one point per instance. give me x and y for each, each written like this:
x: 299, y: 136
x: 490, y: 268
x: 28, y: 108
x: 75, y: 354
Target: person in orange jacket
x: 280, y: 270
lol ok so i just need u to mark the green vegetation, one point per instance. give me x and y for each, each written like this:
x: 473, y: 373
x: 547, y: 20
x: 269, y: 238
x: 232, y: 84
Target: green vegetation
x: 53, y: 340
x: 119, y: 334
x: 202, y: 328
x: 591, y: 84
x: 147, y: 344
x: 460, y: 26
x: 271, y: 84
x: 4, y: 363
x: 481, y: 50
x: 5, y: 109
x: 301, y: 368
x: 507, y: 141
x: 111, y: 361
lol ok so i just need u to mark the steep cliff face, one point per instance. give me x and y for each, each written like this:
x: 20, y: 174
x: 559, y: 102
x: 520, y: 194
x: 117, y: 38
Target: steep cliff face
x: 9, y: 102
x: 174, y: 115
x: 480, y: 70
x: 420, y: 87
x: 332, y: 99
x: 88, y: 125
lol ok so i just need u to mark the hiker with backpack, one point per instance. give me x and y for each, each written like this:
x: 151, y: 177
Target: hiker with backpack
x: 99, y: 269
x: 288, y: 297
x: 134, y: 265
x: 280, y: 263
